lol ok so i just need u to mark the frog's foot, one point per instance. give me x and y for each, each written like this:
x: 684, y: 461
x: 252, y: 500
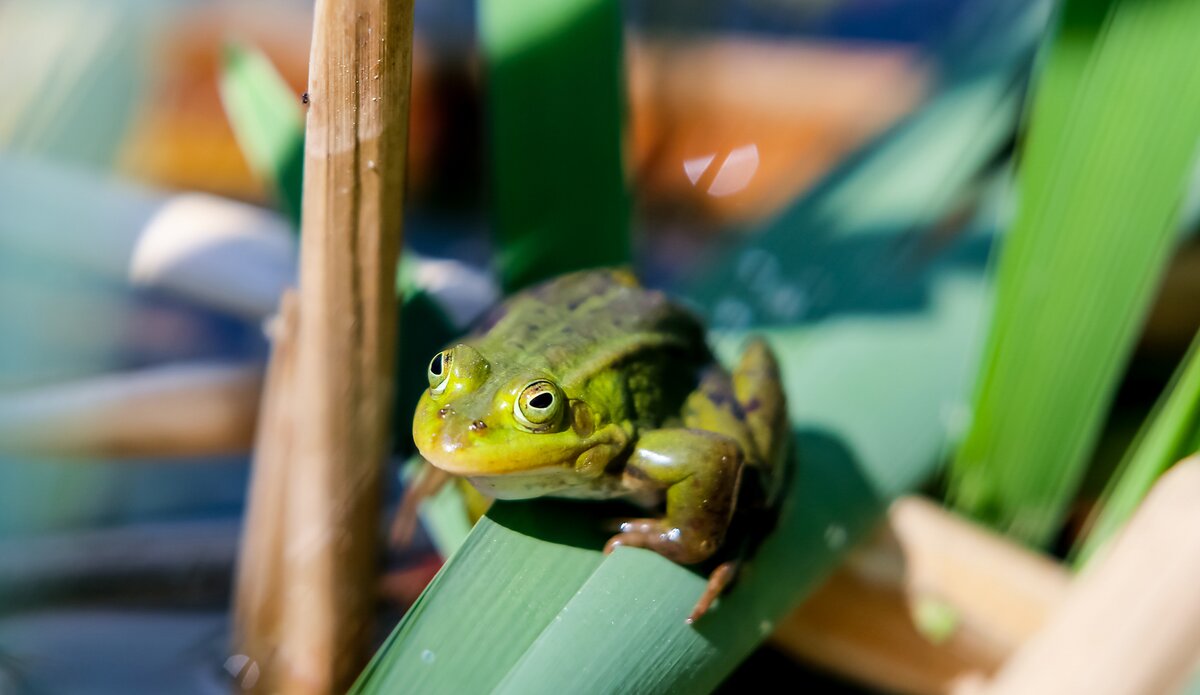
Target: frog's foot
x: 699, y: 472
x: 675, y: 544
x: 425, y: 484
x: 718, y: 579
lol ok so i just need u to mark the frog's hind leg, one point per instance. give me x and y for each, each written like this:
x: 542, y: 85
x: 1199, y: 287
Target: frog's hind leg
x: 748, y: 407
x: 699, y: 472
x: 758, y: 391
x: 425, y: 483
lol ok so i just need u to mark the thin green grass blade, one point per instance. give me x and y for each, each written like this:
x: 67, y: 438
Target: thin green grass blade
x: 444, y: 515
x: 1171, y: 433
x: 268, y: 122
x: 556, y: 114
x: 446, y: 519
x: 1112, y: 136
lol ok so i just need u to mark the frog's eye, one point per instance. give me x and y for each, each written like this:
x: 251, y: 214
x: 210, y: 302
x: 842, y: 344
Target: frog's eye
x: 439, y: 372
x: 539, y: 406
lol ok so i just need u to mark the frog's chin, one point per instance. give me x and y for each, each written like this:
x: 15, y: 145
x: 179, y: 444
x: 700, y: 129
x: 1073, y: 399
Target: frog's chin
x: 532, y: 483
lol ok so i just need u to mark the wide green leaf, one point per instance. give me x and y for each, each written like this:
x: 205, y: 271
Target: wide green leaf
x: 555, y: 121
x: 1112, y: 137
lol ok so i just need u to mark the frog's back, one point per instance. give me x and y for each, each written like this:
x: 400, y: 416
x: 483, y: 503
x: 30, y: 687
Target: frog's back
x: 583, y: 323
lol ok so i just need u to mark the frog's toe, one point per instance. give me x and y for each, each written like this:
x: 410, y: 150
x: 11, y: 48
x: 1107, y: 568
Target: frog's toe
x: 623, y: 539
x: 636, y: 533
x: 718, y: 580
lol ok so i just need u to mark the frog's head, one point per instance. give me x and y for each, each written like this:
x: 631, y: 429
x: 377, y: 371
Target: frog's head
x: 487, y: 422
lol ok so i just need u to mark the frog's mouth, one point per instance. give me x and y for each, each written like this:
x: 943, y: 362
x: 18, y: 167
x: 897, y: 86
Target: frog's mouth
x: 470, y: 448
x: 457, y: 448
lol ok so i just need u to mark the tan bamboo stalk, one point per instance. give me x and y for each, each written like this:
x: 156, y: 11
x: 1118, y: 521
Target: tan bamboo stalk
x: 925, y: 565
x: 1131, y: 622
x: 359, y: 78
x: 180, y: 410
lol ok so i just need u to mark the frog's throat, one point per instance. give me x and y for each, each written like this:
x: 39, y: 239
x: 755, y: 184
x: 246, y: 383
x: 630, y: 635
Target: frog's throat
x: 554, y: 480
x: 581, y: 458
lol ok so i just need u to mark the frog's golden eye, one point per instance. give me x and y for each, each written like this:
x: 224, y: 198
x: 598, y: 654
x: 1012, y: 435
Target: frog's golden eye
x: 439, y: 372
x: 539, y: 406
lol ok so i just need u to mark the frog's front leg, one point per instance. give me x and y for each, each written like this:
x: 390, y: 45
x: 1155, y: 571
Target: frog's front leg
x: 700, y: 471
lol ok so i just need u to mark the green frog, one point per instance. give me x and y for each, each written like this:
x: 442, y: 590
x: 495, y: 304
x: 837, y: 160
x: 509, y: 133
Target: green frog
x: 592, y: 386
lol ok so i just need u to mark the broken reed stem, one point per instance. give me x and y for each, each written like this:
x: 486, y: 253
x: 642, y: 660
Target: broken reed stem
x: 260, y: 571
x: 863, y: 622
x: 323, y: 578
x: 1130, y: 624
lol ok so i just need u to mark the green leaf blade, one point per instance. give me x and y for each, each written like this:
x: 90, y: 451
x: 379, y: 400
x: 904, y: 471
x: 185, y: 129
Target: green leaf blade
x: 465, y: 628
x: 1110, y: 146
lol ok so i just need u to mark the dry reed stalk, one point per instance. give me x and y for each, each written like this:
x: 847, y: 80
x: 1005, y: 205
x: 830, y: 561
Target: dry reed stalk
x: 180, y: 410
x: 862, y: 622
x: 1131, y: 622
x: 324, y: 580
x: 261, y: 568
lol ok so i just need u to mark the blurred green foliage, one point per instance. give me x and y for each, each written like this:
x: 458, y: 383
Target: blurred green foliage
x: 1111, y: 145
x: 555, y: 115
x: 267, y: 120
x: 1171, y: 433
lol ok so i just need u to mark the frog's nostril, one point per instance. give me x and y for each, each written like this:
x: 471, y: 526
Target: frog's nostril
x: 477, y: 425
x: 442, y: 413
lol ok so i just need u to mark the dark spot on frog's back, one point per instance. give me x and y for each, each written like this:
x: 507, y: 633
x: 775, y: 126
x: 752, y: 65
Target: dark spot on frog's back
x: 752, y: 405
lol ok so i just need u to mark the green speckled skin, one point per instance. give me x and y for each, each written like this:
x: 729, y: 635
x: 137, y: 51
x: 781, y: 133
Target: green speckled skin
x: 591, y: 386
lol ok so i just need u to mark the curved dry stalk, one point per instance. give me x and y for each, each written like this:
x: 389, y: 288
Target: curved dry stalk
x: 179, y: 410
x: 1131, y: 623
x: 866, y: 620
